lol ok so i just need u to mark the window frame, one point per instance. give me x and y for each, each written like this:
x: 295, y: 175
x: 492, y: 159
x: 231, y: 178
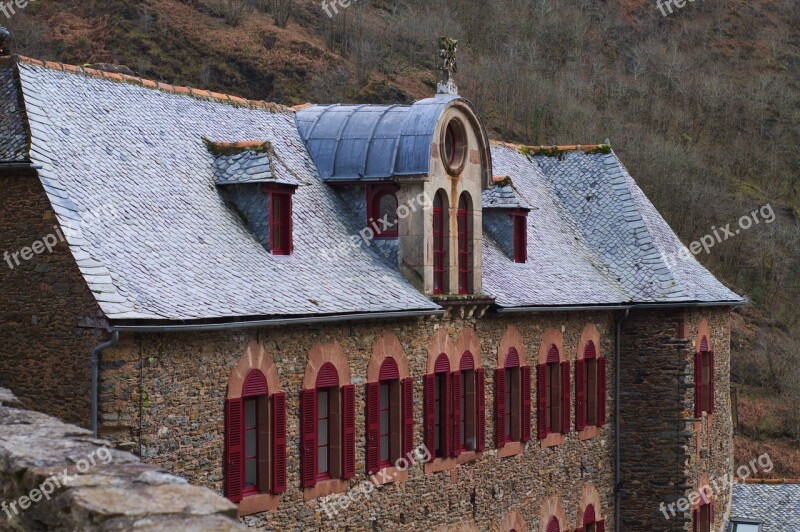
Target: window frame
x: 255, y: 489
x: 519, y: 221
x: 282, y: 196
x: 464, y: 233
x: 440, y: 244
x: 375, y: 193
x: 454, y: 135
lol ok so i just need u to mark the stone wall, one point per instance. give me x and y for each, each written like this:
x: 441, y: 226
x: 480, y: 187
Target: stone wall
x: 55, y: 476
x: 47, y: 315
x: 665, y: 449
x: 178, y: 382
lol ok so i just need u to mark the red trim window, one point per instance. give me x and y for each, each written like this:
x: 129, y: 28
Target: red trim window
x: 704, y: 379
x: 469, y: 417
x: 704, y: 517
x: 512, y: 401
x: 280, y: 220
x: 254, y: 431
x: 590, y: 521
x: 553, y: 526
x: 389, y: 416
x: 328, y: 429
x: 553, y: 391
x: 464, y: 245
x: 590, y: 389
x: 520, y: 222
x: 382, y: 210
x: 438, y: 402
x: 440, y: 244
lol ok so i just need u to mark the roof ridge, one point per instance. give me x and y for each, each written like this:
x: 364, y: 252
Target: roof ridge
x: 562, y: 147
x: 200, y: 94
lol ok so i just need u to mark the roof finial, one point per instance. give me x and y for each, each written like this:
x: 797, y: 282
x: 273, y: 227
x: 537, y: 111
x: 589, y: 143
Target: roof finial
x: 5, y: 38
x: 447, y: 52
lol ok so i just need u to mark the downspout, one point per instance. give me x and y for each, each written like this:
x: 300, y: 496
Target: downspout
x: 95, y: 362
x: 617, y: 474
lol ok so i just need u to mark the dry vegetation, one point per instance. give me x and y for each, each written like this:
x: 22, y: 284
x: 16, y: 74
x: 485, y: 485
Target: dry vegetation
x: 703, y: 106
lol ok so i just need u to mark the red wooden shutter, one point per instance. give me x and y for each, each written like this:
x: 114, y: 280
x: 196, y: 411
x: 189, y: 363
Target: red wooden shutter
x: 499, y: 407
x: 279, y: 443
x: 601, y: 391
x: 541, y: 401
x: 580, y: 395
x: 695, y: 519
x: 601, y: 526
x: 349, y: 431
x: 711, y: 382
x: 373, y: 426
x: 430, y: 414
x: 565, y: 398
x: 526, y: 402
x: 234, y: 464
x: 408, y: 416
x: 456, y: 428
x: 698, y: 385
x: 480, y: 425
x: 308, y: 417
x: 447, y: 448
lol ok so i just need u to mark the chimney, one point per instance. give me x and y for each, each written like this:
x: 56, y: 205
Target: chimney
x: 5, y: 42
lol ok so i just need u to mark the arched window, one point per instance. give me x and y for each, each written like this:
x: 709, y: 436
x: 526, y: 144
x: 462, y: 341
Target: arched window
x: 552, y: 525
x: 469, y: 406
x: 553, y: 405
x: 704, y: 517
x: 704, y: 379
x: 440, y: 244
x: 328, y: 428
x: 464, y: 219
x: 438, y: 411
x: 382, y: 210
x: 590, y: 521
x: 590, y: 388
x: 255, y: 439
x: 390, y: 417
x: 512, y: 388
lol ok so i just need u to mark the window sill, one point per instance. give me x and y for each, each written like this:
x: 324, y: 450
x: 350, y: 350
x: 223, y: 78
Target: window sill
x: 387, y: 475
x: 262, y: 502
x: 592, y: 431
x: 511, y: 448
x: 553, y: 439
x: 325, y: 487
x: 440, y: 464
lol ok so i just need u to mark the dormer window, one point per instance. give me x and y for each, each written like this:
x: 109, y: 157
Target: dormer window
x: 454, y: 146
x: 382, y: 210
x: 280, y: 219
x: 520, y: 221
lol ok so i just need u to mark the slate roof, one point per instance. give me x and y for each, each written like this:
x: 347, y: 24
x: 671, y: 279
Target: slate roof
x: 133, y: 186
x: 249, y: 165
x: 594, y: 238
x: 503, y: 195
x: 776, y: 505
x: 371, y: 142
x: 13, y: 137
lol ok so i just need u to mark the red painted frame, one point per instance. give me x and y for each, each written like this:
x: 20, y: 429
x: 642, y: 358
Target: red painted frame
x: 388, y: 434
x: 250, y: 490
x: 520, y: 222
x: 439, y: 245
x: 331, y: 393
x: 464, y: 262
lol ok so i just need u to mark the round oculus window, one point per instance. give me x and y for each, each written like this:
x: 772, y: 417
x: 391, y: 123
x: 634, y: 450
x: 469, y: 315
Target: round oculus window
x: 454, y: 146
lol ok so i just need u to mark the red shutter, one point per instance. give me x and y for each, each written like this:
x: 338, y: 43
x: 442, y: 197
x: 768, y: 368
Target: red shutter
x: 580, y: 395
x: 279, y: 443
x: 565, y: 398
x: 698, y: 385
x: 695, y: 519
x: 526, y: 402
x: 447, y: 447
x: 601, y: 526
x: 711, y: 515
x: 308, y: 417
x: 480, y: 425
x: 499, y: 407
x: 711, y: 382
x: 234, y: 464
x: 349, y: 431
x: 456, y: 428
x: 430, y: 414
x: 408, y: 416
x: 290, y: 225
x: 541, y: 401
x: 601, y: 391
x: 373, y: 426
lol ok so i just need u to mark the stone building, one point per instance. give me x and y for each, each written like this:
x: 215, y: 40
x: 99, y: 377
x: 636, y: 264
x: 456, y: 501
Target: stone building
x: 369, y: 317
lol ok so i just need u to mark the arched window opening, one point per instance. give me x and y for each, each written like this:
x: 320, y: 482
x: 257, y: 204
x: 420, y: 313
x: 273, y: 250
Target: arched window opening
x: 704, y: 379
x: 464, y: 224
x: 512, y: 400
x: 553, y: 389
x: 440, y: 244
x: 382, y: 210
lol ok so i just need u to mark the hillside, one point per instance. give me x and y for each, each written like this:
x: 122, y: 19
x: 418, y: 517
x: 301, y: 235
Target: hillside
x: 703, y: 105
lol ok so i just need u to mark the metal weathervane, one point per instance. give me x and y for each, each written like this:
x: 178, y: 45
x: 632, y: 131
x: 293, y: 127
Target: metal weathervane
x: 447, y: 52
